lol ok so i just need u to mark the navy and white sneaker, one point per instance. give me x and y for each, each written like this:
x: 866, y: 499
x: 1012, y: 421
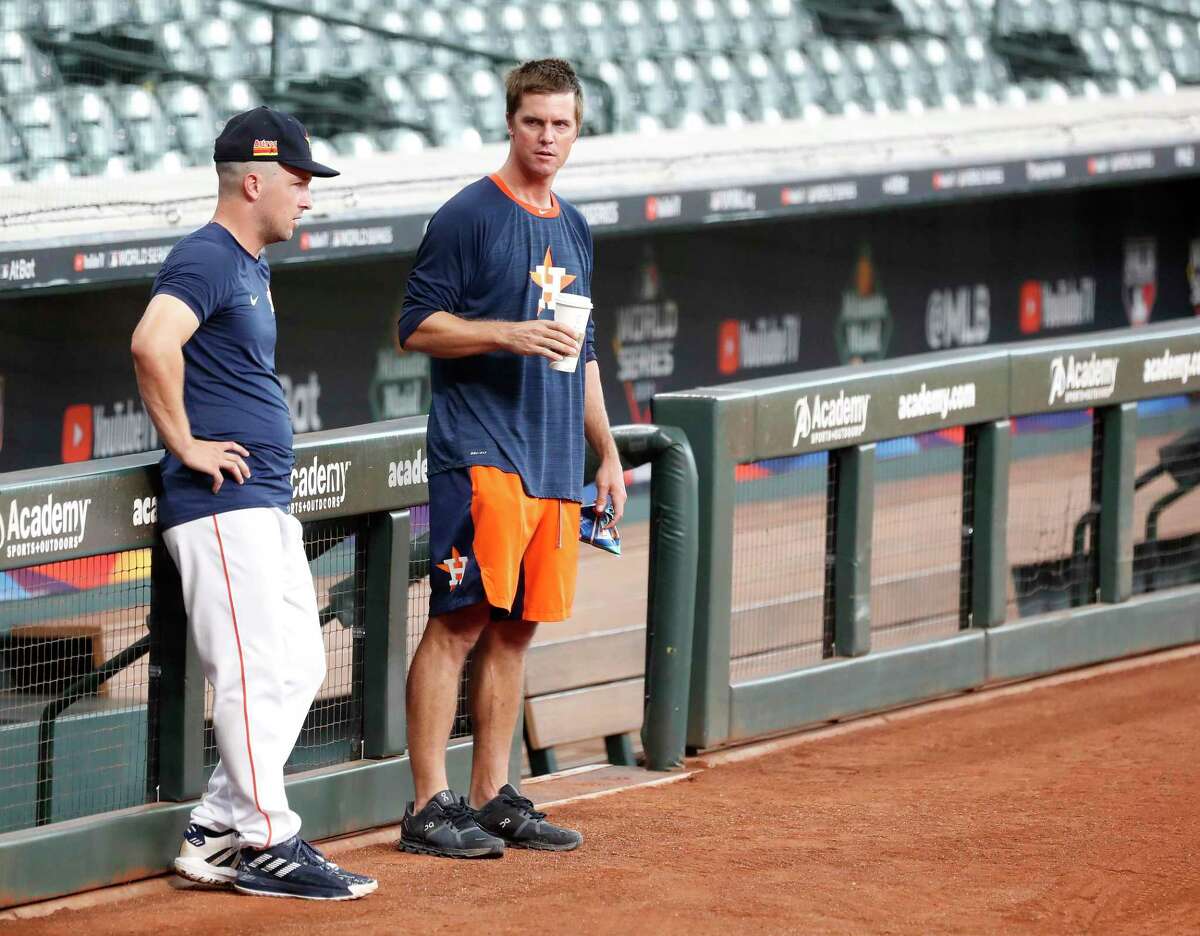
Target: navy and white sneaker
x: 208, y: 856
x: 295, y: 869
x: 510, y: 816
x: 446, y: 827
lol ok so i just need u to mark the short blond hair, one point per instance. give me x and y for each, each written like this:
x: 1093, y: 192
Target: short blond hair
x: 542, y: 76
x: 230, y: 174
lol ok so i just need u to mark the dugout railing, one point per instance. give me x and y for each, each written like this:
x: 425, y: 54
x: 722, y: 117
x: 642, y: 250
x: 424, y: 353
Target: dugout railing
x: 882, y: 533
x: 105, y: 729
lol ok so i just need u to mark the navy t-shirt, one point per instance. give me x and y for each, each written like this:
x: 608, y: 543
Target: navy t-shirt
x: 486, y: 255
x: 230, y: 389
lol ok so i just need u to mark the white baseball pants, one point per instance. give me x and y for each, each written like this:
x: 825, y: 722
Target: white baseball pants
x: 251, y: 606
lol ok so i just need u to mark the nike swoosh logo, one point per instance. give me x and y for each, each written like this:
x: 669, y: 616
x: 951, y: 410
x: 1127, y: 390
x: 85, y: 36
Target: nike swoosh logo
x: 254, y: 300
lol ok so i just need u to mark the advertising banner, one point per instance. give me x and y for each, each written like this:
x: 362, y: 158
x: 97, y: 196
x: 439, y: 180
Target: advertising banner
x: 674, y: 308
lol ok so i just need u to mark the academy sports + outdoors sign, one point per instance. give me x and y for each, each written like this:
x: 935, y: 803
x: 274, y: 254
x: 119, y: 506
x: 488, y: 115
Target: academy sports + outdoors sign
x: 836, y: 408
x: 95, y: 507
x: 868, y: 402
x: 109, y: 505
x: 1104, y: 368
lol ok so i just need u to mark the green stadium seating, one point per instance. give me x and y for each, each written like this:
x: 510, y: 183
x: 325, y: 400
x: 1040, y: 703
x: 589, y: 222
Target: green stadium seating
x: 117, y: 73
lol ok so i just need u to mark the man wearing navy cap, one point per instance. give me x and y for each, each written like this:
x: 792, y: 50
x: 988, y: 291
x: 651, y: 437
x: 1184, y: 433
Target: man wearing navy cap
x: 204, y: 354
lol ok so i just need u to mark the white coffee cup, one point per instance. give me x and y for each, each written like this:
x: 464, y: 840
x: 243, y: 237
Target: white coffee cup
x: 573, y: 311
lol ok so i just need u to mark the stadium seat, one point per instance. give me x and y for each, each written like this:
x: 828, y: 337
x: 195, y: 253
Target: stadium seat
x: 22, y: 67
x: 258, y: 29
x: 180, y: 50
x: 154, y: 12
x: 151, y: 135
x: 47, y: 170
x: 711, y: 27
x: 42, y: 128
x: 401, y: 140
x: 226, y: 54
x: 844, y: 92
x: 194, y: 118
x: 665, y: 18
x: 17, y: 15
x: 902, y: 72
x: 93, y: 124
x: 1183, y: 50
x: 635, y: 34
x: 398, y: 99
x: 322, y: 150
x: 691, y: 95
x: 769, y: 96
x: 233, y: 97
x: 651, y: 90
x: 11, y: 149
x: 806, y: 83
x: 591, y: 27
x: 791, y: 24
x: 429, y: 21
x: 483, y: 92
x: 664, y: 64
x: 354, y: 144
x: 83, y: 16
x: 469, y: 25
x: 514, y: 29
x: 728, y: 91
x: 880, y: 93
x: 305, y: 48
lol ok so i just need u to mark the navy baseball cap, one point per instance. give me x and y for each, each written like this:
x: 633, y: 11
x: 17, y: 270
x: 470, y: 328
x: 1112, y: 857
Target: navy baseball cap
x: 265, y: 135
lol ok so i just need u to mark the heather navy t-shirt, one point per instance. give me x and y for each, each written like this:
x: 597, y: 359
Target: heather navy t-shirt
x: 486, y: 255
x: 230, y: 389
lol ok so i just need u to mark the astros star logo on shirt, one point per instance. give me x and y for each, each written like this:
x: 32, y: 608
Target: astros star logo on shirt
x: 552, y: 279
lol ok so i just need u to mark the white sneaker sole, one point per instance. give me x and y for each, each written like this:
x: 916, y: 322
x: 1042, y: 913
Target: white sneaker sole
x: 200, y: 871
x: 356, y: 891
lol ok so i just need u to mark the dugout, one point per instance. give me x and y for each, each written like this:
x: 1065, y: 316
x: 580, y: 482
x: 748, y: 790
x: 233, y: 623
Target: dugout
x: 718, y: 258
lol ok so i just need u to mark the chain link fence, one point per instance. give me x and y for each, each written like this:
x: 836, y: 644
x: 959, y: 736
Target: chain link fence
x: 1166, y: 512
x: 917, y: 573
x: 1053, y: 512
x: 74, y: 683
x: 780, y: 600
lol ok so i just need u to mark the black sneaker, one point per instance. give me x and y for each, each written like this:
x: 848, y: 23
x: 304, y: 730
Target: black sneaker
x: 295, y: 869
x: 446, y: 827
x: 512, y: 817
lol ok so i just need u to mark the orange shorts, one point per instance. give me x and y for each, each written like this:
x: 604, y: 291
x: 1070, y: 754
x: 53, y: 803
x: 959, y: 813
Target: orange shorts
x: 490, y: 541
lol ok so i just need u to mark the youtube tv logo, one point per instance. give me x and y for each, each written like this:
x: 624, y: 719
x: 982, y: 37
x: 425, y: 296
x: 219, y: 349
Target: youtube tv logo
x: 1031, y: 307
x: 77, y: 433
x: 729, y: 341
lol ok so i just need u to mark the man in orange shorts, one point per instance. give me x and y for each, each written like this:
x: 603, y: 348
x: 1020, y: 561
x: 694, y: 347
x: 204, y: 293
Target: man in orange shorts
x: 506, y: 454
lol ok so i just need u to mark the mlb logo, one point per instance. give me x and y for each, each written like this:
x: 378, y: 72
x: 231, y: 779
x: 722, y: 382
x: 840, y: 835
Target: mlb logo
x: 1139, y: 285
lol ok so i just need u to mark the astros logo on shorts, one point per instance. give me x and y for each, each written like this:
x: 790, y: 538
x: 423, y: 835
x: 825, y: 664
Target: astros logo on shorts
x: 455, y: 567
x: 552, y: 279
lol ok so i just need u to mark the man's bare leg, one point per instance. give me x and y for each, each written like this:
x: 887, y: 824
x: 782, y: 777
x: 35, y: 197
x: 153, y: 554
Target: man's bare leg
x: 432, y: 695
x: 497, y: 688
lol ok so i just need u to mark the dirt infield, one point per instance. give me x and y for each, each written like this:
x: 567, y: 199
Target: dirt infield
x: 1063, y: 810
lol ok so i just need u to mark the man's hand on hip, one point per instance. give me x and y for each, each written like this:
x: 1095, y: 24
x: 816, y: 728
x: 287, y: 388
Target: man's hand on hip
x: 553, y: 340
x: 212, y: 458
